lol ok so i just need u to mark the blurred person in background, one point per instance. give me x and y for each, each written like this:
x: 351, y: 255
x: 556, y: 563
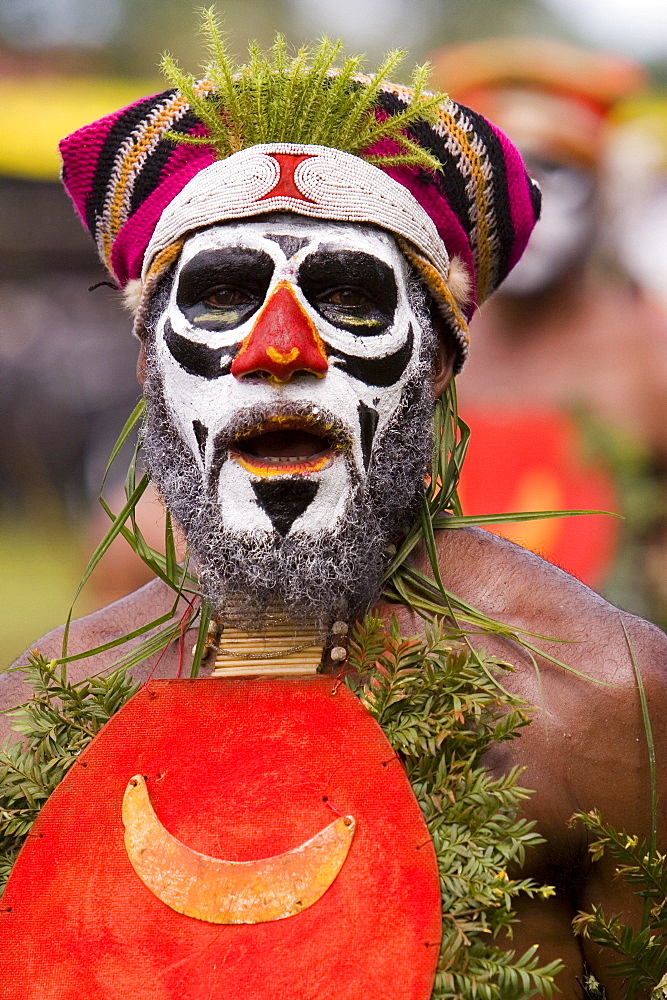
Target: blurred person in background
x: 569, y: 368
x: 637, y: 194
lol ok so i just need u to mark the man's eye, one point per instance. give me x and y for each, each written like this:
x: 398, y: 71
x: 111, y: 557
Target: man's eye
x: 346, y: 297
x: 226, y: 298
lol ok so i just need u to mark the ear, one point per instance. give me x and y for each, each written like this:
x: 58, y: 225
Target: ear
x: 445, y: 357
x: 141, y: 365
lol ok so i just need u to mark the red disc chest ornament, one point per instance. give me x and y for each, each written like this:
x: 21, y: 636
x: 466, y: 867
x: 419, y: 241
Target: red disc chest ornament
x: 207, y: 803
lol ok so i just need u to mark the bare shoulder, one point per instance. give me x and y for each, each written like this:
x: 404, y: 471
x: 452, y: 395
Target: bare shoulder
x: 587, y: 745
x: 520, y: 588
x: 604, y: 647
x: 118, y: 619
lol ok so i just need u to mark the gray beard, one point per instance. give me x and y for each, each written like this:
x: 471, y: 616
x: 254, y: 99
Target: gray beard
x: 309, y: 580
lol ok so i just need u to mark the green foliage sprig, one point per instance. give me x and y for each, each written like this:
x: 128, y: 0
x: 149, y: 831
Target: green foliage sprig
x: 643, y: 950
x: 642, y: 953
x: 302, y: 98
x: 57, y: 723
x: 441, y: 710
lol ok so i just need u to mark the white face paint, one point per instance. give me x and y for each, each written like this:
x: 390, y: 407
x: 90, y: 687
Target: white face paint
x: 285, y: 350
x: 564, y: 230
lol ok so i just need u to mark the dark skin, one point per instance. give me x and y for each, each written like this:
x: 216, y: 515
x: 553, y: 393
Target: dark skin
x: 584, y: 749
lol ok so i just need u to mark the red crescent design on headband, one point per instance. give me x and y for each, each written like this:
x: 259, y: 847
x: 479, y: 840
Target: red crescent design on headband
x: 283, y: 340
x: 286, y: 186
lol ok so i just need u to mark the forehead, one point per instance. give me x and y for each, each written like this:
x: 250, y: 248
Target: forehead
x: 305, y: 236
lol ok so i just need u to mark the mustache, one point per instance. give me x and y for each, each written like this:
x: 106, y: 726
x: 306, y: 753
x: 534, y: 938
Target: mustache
x: 307, y: 416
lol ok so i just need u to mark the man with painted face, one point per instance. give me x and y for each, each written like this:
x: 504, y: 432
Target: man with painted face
x: 559, y: 334
x: 300, y: 305
x: 307, y: 422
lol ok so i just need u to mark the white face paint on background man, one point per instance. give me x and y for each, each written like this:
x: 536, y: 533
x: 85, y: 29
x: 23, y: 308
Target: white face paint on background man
x: 289, y: 400
x: 565, y: 230
x: 285, y: 350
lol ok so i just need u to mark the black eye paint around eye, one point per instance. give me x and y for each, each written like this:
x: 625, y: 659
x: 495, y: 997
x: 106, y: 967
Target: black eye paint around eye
x: 383, y: 371
x: 240, y: 269
x: 329, y: 269
x: 198, y: 359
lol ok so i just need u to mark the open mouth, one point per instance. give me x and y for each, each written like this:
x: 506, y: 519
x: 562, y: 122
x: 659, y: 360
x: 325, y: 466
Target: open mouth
x: 284, y: 445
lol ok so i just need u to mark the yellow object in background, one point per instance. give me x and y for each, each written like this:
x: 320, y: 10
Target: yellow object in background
x: 36, y: 113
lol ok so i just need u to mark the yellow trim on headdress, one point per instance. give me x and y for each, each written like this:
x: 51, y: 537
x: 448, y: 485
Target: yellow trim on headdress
x: 442, y: 294
x: 161, y: 264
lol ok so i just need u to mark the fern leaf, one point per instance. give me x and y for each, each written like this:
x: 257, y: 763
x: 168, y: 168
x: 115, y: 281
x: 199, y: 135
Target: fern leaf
x: 303, y: 99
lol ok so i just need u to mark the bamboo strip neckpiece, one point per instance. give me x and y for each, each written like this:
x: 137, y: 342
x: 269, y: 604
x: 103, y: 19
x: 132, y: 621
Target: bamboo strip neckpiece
x: 278, y: 649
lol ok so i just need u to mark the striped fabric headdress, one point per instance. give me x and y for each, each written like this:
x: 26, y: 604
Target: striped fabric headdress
x: 326, y: 143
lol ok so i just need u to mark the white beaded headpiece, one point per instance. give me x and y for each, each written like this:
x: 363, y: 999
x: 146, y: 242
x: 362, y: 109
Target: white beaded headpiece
x: 315, y: 181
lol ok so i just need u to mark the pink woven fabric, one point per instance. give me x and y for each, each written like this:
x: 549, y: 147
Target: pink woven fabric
x: 123, y: 171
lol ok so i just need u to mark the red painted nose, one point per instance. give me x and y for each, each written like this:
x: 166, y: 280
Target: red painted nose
x: 282, y: 341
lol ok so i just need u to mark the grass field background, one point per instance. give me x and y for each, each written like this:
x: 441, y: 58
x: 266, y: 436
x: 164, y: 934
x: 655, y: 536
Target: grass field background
x: 41, y: 562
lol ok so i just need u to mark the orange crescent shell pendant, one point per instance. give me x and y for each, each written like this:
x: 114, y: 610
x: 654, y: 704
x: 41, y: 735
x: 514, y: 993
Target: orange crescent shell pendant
x: 229, y: 892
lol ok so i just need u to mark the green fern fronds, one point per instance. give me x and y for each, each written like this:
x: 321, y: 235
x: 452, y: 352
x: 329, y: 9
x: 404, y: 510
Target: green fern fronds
x: 301, y: 98
x: 58, y: 722
x: 641, y: 953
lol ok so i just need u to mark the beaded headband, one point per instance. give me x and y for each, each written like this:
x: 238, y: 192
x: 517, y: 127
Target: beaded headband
x: 139, y: 192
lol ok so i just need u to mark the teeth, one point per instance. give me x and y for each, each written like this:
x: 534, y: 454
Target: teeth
x: 284, y: 459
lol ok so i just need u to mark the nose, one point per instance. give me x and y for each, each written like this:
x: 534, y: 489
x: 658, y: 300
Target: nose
x: 284, y: 340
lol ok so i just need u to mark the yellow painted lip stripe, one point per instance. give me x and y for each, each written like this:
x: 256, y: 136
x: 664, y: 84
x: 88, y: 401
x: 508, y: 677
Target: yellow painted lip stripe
x: 267, y: 470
